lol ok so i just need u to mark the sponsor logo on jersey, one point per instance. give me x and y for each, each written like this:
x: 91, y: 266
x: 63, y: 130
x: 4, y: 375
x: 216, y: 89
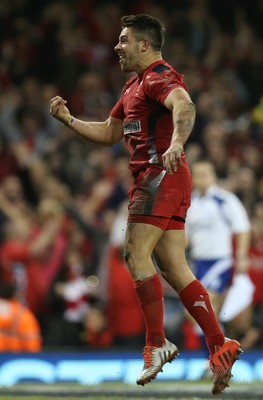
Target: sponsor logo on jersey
x: 132, y: 127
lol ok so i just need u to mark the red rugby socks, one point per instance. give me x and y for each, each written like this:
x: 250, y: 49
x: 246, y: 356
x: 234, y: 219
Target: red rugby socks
x: 150, y: 295
x: 197, y: 302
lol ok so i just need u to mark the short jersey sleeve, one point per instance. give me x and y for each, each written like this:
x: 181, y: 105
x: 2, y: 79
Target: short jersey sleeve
x: 236, y: 213
x: 158, y: 86
x: 118, y: 111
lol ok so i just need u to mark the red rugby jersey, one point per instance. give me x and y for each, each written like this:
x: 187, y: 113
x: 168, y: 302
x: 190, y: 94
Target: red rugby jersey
x: 147, y: 123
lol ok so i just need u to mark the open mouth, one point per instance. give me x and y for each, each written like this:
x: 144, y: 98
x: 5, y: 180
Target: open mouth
x: 121, y: 57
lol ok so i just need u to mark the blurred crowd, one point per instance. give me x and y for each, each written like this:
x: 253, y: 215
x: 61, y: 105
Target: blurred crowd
x: 63, y: 200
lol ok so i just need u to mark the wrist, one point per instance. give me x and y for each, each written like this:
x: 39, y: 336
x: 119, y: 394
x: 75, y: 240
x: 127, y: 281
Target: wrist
x: 177, y: 140
x: 70, y: 121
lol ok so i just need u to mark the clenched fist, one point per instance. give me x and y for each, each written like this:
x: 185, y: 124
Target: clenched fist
x: 59, y: 110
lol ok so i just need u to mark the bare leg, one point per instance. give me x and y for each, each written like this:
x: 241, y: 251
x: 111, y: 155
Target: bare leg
x: 140, y: 242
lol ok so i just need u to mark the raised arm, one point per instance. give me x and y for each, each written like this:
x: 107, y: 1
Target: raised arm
x: 106, y: 133
x: 180, y: 104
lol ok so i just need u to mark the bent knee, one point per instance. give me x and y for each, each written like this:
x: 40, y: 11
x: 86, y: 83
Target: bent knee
x: 139, y: 264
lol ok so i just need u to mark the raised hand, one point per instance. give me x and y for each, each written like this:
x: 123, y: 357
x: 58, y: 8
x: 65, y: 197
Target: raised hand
x: 59, y: 110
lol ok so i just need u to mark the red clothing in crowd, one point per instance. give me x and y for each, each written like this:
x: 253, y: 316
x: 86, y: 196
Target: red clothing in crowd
x: 32, y: 275
x: 124, y: 312
x: 256, y: 269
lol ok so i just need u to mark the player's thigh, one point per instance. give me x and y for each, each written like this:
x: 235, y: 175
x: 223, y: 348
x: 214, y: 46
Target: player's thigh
x: 170, y: 249
x: 140, y: 241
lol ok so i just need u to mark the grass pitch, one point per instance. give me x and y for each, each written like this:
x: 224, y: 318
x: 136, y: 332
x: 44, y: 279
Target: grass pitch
x: 11, y: 397
x: 121, y: 391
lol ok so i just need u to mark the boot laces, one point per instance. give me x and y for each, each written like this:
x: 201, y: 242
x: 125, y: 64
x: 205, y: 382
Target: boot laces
x: 147, y: 356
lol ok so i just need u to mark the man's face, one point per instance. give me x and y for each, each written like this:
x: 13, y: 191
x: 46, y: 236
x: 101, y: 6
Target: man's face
x: 203, y: 177
x: 128, y: 50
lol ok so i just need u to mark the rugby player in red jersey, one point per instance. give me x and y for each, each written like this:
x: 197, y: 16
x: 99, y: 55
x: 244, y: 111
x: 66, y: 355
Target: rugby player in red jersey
x: 156, y: 115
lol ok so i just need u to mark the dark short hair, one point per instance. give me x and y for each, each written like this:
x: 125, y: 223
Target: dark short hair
x: 146, y: 25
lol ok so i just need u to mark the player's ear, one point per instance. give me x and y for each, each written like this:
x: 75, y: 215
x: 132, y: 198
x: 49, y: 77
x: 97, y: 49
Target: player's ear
x: 144, y: 45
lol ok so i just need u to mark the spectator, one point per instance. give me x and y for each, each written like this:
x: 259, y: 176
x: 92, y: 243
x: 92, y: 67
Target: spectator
x: 73, y: 295
x: 97, y: 332
x: 32, y: 253
x: 19, y: 329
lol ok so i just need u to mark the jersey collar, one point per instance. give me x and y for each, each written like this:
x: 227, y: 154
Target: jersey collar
x: 151, y: 66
